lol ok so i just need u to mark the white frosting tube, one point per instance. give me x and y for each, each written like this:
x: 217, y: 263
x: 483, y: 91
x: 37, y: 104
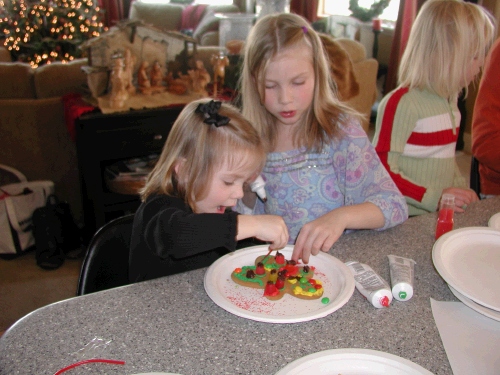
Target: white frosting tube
x: 402, y: 276
x: 258, y: 187
x: 370, y: 284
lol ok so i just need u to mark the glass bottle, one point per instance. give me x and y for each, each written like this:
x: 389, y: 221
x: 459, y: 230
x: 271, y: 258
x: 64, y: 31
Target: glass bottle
x: 445, y: 217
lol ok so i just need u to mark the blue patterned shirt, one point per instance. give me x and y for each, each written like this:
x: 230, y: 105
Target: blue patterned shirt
x: 302, y: 185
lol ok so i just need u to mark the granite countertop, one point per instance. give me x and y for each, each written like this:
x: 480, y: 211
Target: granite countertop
x: 171, y: 325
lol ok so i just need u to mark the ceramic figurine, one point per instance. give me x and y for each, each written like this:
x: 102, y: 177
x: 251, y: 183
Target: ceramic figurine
x: 176, y: 86
x: 200, y: 78
x: 156, y: 77
x: 129, y: 72
x: 219, y: 62
x: 143, y: 78
x: 119, y: 94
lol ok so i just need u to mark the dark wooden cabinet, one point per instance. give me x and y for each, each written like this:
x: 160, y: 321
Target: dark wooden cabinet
x: 105, y: 139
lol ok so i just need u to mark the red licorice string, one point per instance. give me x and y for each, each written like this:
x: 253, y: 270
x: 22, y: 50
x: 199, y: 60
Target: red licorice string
x: 111, y: 361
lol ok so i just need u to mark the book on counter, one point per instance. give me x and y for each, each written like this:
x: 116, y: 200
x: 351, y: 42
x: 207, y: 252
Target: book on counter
x: 131, y: 169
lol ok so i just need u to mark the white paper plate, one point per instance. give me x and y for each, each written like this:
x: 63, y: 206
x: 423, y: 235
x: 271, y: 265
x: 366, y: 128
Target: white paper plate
x: 352, y: 362
x: 338, y: 285
x: 494, y: 221
x: 468, y: 259
x: 475, y: 306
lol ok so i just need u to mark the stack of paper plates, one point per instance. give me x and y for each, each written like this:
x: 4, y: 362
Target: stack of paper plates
x: 468, y: 259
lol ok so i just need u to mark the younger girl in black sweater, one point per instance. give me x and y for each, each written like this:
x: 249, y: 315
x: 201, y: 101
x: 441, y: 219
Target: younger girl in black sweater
x: 185, y: 221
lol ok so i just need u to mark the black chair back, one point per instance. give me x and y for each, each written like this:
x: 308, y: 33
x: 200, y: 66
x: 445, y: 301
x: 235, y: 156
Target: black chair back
x: 474, y: 176
x: 106, y: 261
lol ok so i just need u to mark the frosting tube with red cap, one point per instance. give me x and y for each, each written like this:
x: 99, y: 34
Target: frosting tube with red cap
x: 373, y: 287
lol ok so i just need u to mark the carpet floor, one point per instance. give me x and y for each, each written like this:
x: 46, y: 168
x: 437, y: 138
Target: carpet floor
x: 25, y: 287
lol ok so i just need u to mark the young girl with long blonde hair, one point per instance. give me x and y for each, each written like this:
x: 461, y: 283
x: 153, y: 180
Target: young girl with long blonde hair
x: 322, y: 173
x: 418, y: 123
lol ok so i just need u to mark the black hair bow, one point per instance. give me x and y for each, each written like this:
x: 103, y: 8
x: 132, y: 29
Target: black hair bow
x: 210, y: 111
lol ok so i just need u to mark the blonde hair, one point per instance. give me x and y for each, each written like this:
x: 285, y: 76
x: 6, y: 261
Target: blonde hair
x: 202, y: 149
x: 268, y: 37
x: 446, y: 37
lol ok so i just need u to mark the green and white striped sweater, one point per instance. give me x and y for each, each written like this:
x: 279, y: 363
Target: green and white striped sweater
x: 415, y: 137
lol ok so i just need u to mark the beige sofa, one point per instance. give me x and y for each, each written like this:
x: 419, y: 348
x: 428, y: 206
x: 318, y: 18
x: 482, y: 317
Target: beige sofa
x: 34, y: 136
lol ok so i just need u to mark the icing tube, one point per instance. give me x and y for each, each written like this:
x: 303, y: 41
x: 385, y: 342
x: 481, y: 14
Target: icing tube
x: 402, y: 274
x: 370, y: 284
x: 258, y: 188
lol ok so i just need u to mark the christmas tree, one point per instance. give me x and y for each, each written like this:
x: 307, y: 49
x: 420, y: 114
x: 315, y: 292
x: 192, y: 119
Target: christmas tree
x: 40, y: 32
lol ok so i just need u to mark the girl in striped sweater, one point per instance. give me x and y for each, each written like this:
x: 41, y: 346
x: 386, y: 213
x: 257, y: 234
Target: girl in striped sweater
x: 418, y: 123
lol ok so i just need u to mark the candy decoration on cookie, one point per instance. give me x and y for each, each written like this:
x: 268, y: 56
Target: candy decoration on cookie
x: 273, y: 276
x: 270, y: 290
x: 280, y: 282
x: 279, y: 258
x: 259, y: 270
x: 277, y: 276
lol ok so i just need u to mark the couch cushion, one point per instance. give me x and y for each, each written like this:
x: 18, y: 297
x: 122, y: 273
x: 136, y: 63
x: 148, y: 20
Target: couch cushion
x: 210, y: 38
x: 341, y: 68
x: 17, y: 81
x: 5, y: 55
x: 57, y: 79
x: 162, y: 16
x: 354, y: 48
x: 35, y: 141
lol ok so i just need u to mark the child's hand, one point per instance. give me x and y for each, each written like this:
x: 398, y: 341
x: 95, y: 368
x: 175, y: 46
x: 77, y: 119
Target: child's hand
x: 463, y: 197
x: 319, y: 234
x: 268, y: 228
x: 322, y: 233
x: 271, y: 228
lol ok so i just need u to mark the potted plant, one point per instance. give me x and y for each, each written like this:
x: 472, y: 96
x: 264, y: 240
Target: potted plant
x: 367, y: 14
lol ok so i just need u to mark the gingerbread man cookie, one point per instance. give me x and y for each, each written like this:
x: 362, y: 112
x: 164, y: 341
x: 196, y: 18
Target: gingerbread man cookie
x: 278, y: 276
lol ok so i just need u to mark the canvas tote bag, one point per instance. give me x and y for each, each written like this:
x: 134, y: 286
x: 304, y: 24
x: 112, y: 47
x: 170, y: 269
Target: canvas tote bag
x: 17, y: 203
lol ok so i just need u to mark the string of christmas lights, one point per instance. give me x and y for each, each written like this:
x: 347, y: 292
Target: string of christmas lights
x: 44, y: 31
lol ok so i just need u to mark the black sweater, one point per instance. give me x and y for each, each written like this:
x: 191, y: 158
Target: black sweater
x: 168, y: 238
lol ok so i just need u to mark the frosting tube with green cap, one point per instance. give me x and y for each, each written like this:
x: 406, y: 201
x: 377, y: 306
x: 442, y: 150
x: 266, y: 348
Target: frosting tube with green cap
x: 373, y: 287
x: 402, y: 276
